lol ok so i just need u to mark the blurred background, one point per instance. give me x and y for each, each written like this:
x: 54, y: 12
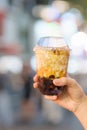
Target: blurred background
x: 22, y: 23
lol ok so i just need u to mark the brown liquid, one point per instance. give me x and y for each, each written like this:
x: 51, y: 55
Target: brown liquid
x: 47, y: 87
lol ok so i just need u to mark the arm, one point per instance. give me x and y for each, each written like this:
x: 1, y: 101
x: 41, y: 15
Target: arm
x: 81, y: 113
x: 72, y: 98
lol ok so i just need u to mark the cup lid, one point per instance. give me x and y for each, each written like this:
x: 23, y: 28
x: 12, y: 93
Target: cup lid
x: 52, y: 42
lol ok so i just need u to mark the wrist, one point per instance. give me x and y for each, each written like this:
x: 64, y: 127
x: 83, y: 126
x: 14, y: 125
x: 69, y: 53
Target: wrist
x: 81, y: 105
x: 81, y: 112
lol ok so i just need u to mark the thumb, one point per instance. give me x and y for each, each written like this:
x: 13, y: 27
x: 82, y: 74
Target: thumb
x: 63, y: 81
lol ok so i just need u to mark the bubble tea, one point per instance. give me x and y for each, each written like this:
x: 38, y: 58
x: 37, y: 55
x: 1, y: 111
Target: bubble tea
x: 52, y: 56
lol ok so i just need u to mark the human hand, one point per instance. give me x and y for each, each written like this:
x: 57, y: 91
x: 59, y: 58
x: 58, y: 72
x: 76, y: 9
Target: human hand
x: 72, y: 95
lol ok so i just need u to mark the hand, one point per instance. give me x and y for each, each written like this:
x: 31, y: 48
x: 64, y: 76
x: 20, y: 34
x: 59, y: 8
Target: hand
x: 70, y: 98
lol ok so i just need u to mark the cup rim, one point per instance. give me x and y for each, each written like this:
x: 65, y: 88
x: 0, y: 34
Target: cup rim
x: 39, y: 43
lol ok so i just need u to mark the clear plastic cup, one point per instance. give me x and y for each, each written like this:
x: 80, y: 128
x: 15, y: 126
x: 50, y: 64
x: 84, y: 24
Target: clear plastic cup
x: 52, y: 55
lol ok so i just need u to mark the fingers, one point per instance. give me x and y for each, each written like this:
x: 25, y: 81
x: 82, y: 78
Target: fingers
x: 35, y: 85
x: 58, y: 82
x: 36, y: 78
x: 53, y: 98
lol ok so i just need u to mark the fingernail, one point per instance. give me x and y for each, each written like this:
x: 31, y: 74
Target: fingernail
x: 56, y: 81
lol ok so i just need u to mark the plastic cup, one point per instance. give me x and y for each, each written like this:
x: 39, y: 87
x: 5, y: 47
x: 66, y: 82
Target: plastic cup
x: 52, y: 55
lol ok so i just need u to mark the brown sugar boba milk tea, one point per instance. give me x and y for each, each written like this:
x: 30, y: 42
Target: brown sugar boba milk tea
x: 52, y: 56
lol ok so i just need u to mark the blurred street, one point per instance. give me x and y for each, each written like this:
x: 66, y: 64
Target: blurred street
x: 69, y: 123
